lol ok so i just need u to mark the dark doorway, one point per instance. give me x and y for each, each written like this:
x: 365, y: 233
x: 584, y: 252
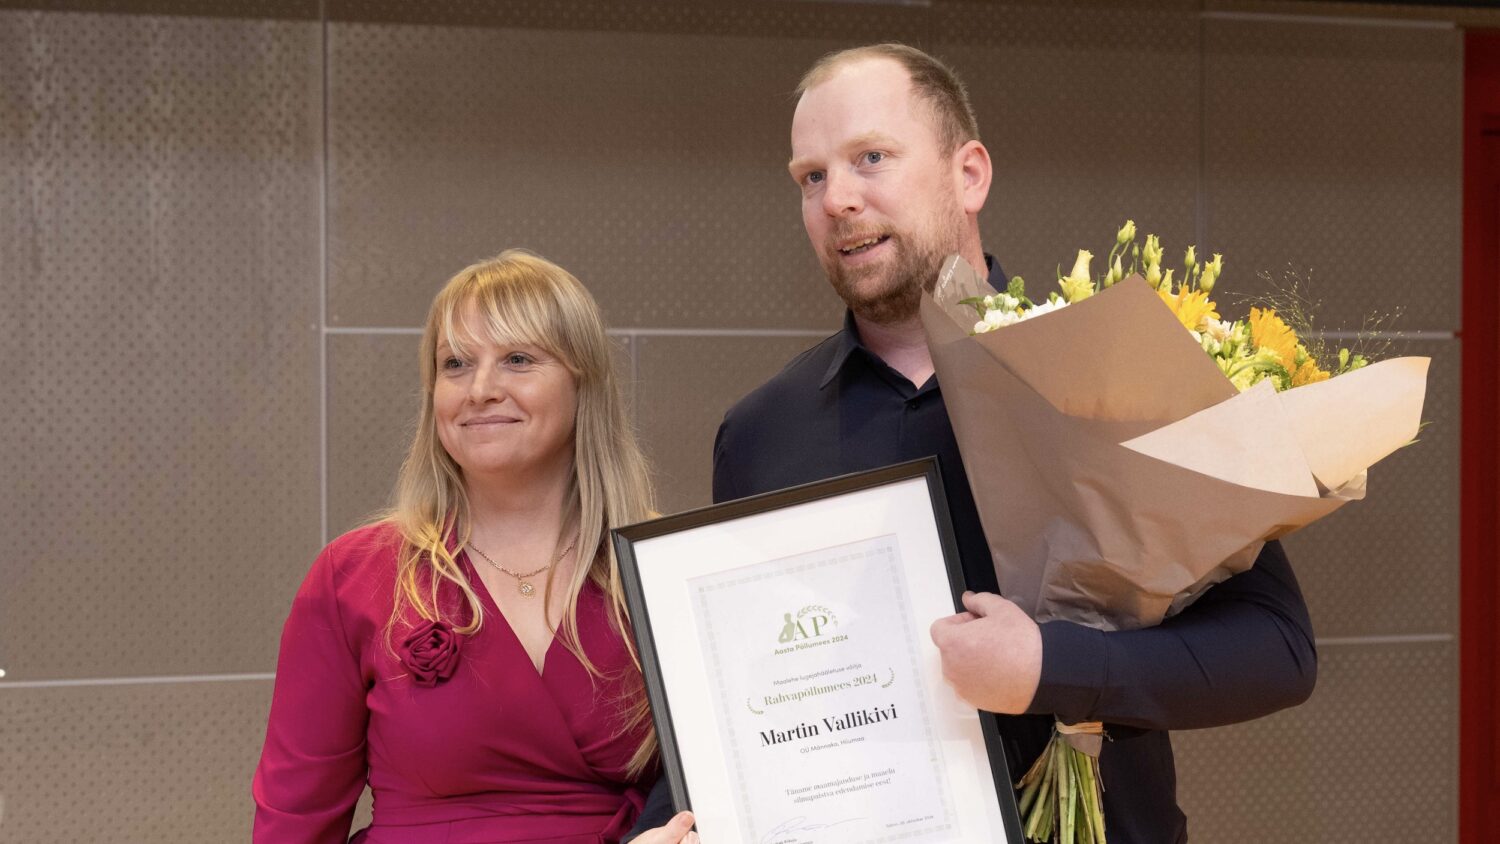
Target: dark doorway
x: 1479, y: 608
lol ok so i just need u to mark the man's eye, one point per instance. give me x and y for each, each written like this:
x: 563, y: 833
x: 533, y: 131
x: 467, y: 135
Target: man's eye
x: 874, y: 157
x: 813, y: 178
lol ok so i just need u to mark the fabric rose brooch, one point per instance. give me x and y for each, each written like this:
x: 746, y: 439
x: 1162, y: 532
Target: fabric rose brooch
x: 430, y: 653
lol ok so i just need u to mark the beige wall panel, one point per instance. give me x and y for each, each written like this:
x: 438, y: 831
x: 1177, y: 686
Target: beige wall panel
x: 157, y: 762
x: 374, y: 396
x: 277, y: 9
x: 1415, y: 12
x: 374, y: 391
x: 686, y: 384
x: 1085, y: 130
x: 1389, y: 564
x: 1370, y: 759
x: 1335, y: 149
x: 158, y: 269
x: 650, y: 165
x: 763, y: 18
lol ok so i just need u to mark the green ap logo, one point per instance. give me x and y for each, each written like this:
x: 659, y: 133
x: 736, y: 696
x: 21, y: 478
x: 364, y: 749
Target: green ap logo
x: 812, y: 622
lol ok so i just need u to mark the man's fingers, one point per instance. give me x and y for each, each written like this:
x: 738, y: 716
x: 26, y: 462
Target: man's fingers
x: 982, y: 604
x: 945, y: 625
x: 674, y: 831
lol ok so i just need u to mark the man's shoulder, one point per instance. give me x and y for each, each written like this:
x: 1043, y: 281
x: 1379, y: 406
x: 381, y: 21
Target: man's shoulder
x: 796, y: 385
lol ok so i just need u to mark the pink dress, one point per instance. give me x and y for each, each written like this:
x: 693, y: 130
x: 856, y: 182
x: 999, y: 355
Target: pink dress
x: 494, y: 753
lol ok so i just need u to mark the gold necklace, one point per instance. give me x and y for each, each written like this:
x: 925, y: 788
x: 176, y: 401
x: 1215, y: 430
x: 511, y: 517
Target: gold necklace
x: 523, y: 585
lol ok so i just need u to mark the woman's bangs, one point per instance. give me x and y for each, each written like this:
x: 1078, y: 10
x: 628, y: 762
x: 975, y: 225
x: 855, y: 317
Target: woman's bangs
x: 506, y: 316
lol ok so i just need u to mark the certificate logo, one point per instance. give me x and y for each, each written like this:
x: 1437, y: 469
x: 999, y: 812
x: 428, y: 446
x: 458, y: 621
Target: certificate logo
x: 811, y: 623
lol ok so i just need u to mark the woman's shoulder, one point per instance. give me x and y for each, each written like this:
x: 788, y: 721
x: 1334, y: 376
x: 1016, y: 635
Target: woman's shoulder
x: 353, y: 578
x: 364, y: 553
x: 382, y: 537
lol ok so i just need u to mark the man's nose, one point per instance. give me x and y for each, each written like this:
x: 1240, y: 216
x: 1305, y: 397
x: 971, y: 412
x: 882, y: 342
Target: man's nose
x: 841, y: 195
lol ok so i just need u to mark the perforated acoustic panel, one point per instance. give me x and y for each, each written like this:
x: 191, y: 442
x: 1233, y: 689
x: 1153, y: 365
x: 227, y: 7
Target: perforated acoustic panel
x: 652, y: 166
x: 158, y: 762
x: 273, y: 9
x: 374, y: 396
x: 686, y: 384
x: 1085, y: 130
x: 1467, y: 14
x: 1335, y: 150
x: 1388, y: 565
x: 158, y: 268
x: 1371, y: 759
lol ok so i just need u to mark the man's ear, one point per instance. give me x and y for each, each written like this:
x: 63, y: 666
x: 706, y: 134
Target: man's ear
x: 974, y: 172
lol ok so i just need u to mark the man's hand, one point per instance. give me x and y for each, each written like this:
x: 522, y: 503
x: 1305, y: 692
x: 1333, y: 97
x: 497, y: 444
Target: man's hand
x: 992, y: 654
x: 678, y: 830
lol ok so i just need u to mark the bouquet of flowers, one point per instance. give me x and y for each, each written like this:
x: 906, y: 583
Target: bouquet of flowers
x: 1119, y: 398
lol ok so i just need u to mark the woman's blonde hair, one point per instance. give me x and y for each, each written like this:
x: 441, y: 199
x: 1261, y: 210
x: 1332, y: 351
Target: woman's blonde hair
x: 523, y: 298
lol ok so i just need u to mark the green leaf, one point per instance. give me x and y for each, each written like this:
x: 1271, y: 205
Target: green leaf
x: 1016, y: 288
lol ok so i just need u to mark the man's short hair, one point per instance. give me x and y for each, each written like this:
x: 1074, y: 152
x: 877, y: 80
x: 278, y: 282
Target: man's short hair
x: 931, y: 80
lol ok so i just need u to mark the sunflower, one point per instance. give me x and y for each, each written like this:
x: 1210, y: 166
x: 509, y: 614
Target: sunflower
x: 1267, y: 331
x: 1308, y: 371
x: 1190, y: 307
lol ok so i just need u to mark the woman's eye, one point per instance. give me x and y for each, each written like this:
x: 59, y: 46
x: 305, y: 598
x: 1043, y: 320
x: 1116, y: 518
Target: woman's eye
x: 874, y: 157
x: 517, y: 359
x: 452, y: 363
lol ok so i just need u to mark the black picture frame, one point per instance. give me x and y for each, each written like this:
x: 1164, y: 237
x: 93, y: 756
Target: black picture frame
x: 626, y: 538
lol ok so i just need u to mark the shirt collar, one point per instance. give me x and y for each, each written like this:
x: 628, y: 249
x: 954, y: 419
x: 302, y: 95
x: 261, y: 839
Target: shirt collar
x: 848, y: 338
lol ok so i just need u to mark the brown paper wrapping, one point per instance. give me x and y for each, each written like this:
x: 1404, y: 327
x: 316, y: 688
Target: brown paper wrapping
x: 1118, y: 473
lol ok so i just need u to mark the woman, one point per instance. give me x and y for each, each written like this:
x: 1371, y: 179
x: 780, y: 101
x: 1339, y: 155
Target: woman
x: 469, y: 652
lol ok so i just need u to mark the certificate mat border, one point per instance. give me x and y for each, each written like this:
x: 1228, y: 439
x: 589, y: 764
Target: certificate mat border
x: 624, y: 539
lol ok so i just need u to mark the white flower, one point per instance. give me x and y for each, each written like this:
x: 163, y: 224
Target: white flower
x: 1000, y: 319
x: 1218, y: 329
x: 1007, y: 301
x: 1045, y: 308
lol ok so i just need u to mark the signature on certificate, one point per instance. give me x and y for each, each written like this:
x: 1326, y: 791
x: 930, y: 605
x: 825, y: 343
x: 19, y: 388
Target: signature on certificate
x: 800, y: 824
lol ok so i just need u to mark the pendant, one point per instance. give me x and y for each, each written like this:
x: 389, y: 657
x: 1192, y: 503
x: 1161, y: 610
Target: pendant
x: 526, y: 588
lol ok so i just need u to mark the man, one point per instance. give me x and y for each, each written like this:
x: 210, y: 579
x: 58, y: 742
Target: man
x: 893, y: 176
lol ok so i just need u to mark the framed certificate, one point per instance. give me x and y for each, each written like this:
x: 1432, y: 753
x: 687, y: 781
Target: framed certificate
x: 797, y: 694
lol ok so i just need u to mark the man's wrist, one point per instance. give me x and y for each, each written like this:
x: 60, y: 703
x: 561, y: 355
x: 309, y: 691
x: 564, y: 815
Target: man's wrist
x: 1075, y: 668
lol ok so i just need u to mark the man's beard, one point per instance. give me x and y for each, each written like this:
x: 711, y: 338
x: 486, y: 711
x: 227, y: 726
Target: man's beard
x: 891, y: 293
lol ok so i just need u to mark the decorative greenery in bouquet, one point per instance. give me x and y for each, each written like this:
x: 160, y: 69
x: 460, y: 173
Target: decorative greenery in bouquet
x: 1061, y: 796
x: 1260, y: 347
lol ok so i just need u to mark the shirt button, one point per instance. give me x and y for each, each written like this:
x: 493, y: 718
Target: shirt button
x: 913, y: 404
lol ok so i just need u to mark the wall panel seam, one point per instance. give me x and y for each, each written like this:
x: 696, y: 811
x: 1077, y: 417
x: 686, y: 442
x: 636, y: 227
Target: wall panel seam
x: 1395, y: 639
x: 616, y: 332
x: 162, y: 680
x: 323, y: 282
x: 1328, y: 641
x: 1383, y: 335
x: 376, y: 330
x: 1328, y: 20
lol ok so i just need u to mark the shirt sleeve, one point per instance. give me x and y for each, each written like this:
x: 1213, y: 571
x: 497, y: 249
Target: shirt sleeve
x: 657, y: 811
x: 312, y: 768
x: 724, y: 470
x: 1243, y: 650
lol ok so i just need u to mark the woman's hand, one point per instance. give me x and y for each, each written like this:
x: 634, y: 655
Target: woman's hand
x: 678, y: 830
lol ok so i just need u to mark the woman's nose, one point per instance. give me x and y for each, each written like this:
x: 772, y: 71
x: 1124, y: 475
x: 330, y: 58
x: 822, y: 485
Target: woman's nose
x: 488, y: 383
